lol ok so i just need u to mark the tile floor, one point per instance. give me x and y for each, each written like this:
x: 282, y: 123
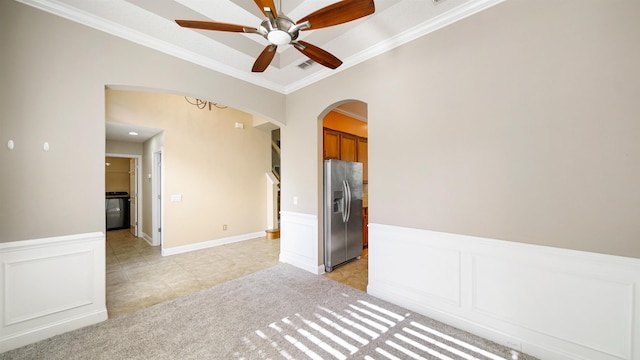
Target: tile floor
x: 138, y: 276
x: 354, y: 273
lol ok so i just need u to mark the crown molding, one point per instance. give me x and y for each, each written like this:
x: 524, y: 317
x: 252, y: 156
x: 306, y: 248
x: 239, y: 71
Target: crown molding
x: 109, y: 27
x: 448, y: 18
x: 350, y: 114
x: 90, y: 20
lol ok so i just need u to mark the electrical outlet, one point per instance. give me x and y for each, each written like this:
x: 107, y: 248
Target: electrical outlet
x: 224, y: 227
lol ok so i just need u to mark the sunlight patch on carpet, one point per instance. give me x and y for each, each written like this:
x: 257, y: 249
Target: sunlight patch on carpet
x: 341, y: 334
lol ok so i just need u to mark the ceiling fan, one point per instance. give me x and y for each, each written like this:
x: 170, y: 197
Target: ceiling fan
x: 280, y: 30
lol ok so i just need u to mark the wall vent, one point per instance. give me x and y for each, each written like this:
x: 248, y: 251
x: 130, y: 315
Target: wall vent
x: 305, y: 64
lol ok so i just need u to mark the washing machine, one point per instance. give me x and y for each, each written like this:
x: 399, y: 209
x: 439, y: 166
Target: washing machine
x: 117, y: 210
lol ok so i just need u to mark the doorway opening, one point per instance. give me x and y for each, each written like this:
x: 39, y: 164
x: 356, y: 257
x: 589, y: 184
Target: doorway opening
x: 202, y: 191
x: 122, y: 184
x: 345, y: 138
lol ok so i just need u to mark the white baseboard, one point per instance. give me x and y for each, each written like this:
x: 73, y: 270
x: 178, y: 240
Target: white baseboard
x: 299, y: 245
x: 148, y: 239
x: 50, y: 286
x: 211, y: 243
x: 548, y: 302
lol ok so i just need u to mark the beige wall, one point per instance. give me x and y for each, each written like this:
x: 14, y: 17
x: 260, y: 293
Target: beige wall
x: 217, y: 169
x: 519, y: 123
x: 66, y: 67
x: 117, y: 174
x: 123, y: 148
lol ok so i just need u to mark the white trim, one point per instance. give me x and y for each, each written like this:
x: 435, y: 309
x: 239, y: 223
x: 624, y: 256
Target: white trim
x: 211, y: 243
x: 351, y: 114
x: 148, y: 239
x: 547, y: 302
x: 272, y: 201
x: 49, y: 286
x: 140, y: 38
x: 448, y: 18
x: 157, y: 205
x: 299, y: 241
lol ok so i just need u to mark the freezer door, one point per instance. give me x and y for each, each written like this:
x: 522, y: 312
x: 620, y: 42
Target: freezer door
x: 342, y: 212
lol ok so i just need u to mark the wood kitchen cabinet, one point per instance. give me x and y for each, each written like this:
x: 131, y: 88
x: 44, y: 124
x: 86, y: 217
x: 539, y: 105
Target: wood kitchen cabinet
x: 347, y: 147
x: 331, y: 140
x: 363, y: 154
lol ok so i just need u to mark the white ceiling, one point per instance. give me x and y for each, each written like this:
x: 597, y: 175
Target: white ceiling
x: 122, y: 132
x: 151, y: 23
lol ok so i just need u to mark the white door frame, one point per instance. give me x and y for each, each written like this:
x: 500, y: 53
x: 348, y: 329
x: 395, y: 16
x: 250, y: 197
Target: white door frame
x: 138, y: 159
x: 133, y: 199
x: 157, y: 186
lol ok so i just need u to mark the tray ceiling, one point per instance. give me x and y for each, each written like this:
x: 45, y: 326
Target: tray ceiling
x: 151, y: 23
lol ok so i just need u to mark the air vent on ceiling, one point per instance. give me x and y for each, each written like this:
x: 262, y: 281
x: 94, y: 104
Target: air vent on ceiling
x: 436, y: 2
x: 305, y: 64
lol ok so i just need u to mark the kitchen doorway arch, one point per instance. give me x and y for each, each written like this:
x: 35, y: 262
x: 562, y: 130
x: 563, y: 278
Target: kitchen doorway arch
x: 343, y: 135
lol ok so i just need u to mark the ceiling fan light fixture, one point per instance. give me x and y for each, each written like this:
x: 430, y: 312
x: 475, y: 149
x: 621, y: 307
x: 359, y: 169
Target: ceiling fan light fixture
x: 279, y: 37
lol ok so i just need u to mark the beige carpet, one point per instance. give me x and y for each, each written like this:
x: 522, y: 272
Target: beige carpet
x: 278, y: 313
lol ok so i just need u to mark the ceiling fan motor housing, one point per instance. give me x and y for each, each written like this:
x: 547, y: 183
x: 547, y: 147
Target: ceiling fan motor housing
x: 284, y: 31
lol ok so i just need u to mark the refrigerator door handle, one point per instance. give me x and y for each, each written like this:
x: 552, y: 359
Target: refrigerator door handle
x: 348, y: 201
x: 344, y: 202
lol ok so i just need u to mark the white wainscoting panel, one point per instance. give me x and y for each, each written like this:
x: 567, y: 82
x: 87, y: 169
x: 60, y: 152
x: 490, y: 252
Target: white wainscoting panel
x: 548, y: 302
x: 299, y: 244
x: 49, y: 286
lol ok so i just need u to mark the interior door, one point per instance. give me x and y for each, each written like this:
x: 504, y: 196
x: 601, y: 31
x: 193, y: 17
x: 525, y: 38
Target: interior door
x: 133, y: 196
x: 157, y: 198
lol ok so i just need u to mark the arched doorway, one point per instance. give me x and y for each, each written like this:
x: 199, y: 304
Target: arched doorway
x: 345, y: 138
x: 209, y: 199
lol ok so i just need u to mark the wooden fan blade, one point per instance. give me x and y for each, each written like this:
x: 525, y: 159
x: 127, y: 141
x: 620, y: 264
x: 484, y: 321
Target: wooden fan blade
x: 339, y: 13
x: 263, y: 61
x: 266, y: 3
x: 212, y: 25
x: 318, y: 55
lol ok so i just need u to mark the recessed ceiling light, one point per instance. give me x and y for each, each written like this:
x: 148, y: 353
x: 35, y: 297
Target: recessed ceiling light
x: 133, y: 133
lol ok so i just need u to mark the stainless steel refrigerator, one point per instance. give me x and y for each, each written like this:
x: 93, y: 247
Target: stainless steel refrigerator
x: 342, y: 212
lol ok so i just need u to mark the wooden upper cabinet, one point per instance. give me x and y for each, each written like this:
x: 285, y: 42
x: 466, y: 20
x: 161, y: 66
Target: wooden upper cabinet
x: 363, y: 157
x: 348, y: 147
x: 331, y: 144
